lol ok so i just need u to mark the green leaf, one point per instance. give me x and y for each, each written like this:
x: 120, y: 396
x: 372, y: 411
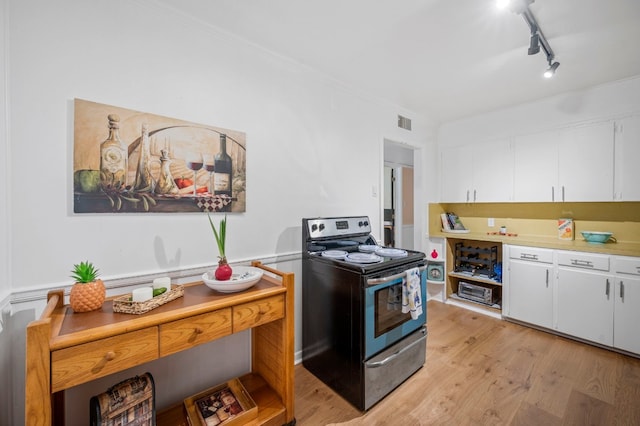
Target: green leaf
x: 84, y: 272
x: 221, y: 236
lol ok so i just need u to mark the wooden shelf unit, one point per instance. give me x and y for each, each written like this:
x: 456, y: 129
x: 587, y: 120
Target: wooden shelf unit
x: 453, y: 278
x: 65, y: 349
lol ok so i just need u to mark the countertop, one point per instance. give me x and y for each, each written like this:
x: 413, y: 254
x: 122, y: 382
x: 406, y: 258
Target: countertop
x: 620, y: 248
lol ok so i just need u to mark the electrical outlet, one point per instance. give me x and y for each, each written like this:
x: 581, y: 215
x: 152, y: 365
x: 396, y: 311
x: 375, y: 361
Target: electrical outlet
x: 491, y: 223
x: 374, y: 191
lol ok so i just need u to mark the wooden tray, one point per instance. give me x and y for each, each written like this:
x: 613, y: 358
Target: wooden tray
x: 125, y: 305
x: 228, y: 404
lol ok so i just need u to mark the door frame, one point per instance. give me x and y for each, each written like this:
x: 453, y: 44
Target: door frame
x: 398, y: 155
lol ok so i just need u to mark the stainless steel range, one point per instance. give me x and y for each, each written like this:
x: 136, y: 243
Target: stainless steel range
x: 363, y: 333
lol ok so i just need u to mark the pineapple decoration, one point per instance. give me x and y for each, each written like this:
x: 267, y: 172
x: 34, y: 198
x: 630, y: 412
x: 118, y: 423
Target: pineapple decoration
x: 223, y: 271
x: 88, y: 293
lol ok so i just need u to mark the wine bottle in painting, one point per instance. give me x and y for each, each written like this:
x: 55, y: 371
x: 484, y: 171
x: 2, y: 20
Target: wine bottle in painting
x: 144, y: 181
x: 223, y: 172
x: 114, y: 156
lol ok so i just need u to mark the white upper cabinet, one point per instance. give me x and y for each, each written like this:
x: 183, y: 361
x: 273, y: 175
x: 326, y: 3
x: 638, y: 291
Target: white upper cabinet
x: 493, y: 172
x: 456, y: 168
x: 536, y: 167
x: 477, y: 173
x: 574, y: 164
x: 585, y: 163
x: 627, y: 149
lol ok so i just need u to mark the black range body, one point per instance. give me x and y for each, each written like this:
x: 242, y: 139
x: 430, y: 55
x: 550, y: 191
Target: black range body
x: 355, y: 336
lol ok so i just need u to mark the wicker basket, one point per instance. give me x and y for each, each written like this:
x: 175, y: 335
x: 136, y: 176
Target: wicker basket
x: 125, y: 305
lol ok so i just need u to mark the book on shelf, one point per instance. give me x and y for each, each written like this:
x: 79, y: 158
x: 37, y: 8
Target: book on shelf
x: 455, y: 222
x: 446, y: 225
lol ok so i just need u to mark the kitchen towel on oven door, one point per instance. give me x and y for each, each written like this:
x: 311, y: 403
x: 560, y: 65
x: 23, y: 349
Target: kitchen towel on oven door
x: 411, y: 299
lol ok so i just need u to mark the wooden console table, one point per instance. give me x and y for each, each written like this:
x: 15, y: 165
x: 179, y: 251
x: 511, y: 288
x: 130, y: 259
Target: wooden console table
x: 66, y: 349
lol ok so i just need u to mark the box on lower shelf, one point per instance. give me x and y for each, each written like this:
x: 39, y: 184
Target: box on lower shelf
x: 227, y: 404
x: 270, y: 408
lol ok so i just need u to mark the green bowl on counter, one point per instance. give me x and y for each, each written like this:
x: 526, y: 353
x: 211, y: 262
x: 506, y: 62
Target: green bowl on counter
x: 595, y: 237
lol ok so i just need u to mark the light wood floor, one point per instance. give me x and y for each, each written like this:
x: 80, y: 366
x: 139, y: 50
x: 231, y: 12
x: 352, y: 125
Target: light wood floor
x: 484, y: 371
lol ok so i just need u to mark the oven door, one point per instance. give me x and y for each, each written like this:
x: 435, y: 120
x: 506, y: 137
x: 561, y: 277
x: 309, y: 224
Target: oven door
x: 385, y: 323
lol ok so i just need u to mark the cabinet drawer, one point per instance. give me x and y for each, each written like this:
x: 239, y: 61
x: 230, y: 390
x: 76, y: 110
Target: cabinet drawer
x: 627, y: 265
x: 577, y: 259
x: 184, y: 334
x: 89, y: 361
x: 531, y: 254
x: 257, y: 313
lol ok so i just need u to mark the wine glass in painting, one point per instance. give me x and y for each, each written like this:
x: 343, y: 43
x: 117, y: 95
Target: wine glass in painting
x: 208, y: 166
x: 194, y: 162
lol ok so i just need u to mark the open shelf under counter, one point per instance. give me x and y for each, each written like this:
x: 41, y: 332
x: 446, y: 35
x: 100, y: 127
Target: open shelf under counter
x: 461, y: 253
x: 476, y: 278
x: 491, y: 310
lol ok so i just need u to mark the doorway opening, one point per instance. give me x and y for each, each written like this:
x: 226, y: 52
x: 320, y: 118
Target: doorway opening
x: 398, y: 204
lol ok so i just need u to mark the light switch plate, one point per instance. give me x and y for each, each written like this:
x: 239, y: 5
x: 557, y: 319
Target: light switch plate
x: 491, y: 223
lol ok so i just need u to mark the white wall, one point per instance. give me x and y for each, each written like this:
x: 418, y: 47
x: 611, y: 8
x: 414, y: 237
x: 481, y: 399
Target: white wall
x: 314, y: 148
x: 306, y: 137
x: 607, y: 101
x: 5, y: 286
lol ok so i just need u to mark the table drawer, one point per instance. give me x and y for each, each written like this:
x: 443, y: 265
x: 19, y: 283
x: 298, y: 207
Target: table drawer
x: 184, y: 334
x: 257, y: 313
x: 82, y: 363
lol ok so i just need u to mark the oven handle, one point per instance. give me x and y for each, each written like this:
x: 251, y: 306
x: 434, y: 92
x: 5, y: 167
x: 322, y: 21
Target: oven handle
x: 376, y: 281
x: 395, y: 354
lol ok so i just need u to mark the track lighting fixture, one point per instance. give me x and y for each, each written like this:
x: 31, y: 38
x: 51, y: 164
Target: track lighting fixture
x: 551, y: 70
x: 538, y: 40
x: 534, y: 44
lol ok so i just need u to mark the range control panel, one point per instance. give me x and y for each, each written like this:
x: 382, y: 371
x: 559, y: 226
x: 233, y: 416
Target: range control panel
x: 338, y: 226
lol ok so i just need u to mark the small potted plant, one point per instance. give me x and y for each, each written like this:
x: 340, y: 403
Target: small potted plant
x: 223, y: 271
x: 88, y: 292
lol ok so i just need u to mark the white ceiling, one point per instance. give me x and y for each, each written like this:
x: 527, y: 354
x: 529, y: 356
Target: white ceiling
x: 444, y: 59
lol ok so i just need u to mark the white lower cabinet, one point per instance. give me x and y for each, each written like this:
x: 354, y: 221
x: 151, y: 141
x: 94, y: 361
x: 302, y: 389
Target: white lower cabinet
x: 585, y: 305
x: 590, y: 296
x: 585, y: 296
x: 530, y: 291
x: 627, y: 304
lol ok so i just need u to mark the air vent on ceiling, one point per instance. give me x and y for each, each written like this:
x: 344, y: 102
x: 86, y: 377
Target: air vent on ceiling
x: 404, y: 122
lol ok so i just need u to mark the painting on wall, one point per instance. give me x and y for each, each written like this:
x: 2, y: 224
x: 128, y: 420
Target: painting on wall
x: 135, y: 162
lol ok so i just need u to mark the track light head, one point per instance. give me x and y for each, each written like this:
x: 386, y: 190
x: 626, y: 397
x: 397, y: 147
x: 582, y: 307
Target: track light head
x: 516, y: 6
x: 534, y: 44
x: 551, y: 70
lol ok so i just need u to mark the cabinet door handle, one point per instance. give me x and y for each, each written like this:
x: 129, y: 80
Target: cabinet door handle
x: 110, y: 356
x: 607, y: 291
x: 621, y: 291
x: 474, y: 195
x: 563, y: 193
x: 467, y: 195
x: 553, y: 193
x: 528, y: 256
x: 547, y: 278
